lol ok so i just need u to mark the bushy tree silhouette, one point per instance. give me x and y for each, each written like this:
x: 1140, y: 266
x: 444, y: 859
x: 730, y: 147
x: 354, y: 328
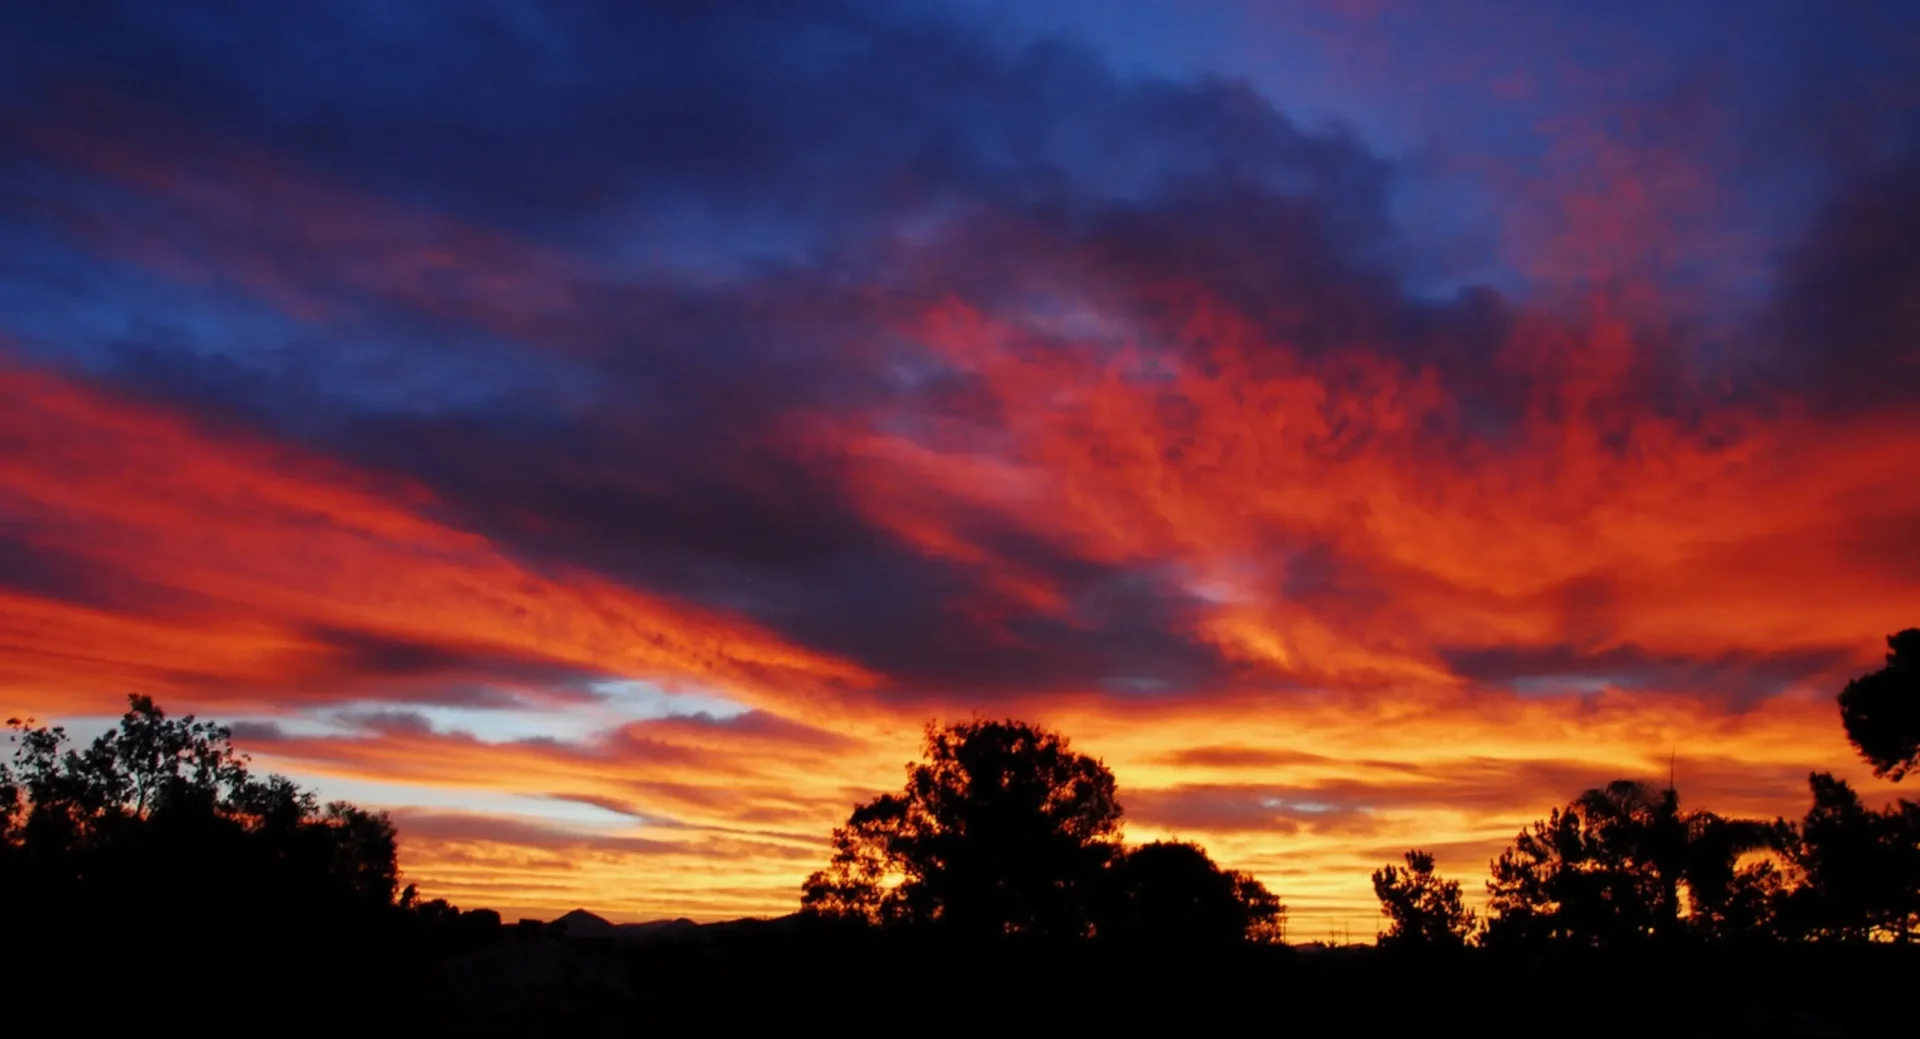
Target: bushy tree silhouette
x: 1172, y: 893
x: 1881, y: 710
x: 1622, y: 864
x: 157, y: 836
x: 1002, y: 829
x: 170, y: 797
x: 1858, y: 868
x: 1422, y: 909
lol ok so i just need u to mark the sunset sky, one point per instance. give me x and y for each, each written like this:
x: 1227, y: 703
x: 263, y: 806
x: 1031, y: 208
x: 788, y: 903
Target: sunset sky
x: 603, y: 434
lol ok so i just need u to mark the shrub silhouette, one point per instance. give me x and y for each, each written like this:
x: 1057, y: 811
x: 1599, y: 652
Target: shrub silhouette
x: 1173, y: 893
x: 1422, y: 909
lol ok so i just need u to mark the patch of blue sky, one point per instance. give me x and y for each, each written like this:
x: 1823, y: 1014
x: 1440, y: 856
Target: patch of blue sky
x: 83, y: 729
x: 698, y: 245
x: 1310, y: 807
x: 533, y: 808
x: 1136, y: 685
x: 367, y: 793
x: 639, y: 701
x: 486, y: 724
x: 1564, y: 684
x: 77, y: 310
x: 621, y: 702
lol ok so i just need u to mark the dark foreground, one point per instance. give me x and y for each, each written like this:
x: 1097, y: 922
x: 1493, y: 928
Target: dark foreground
x: 547, y: 986
x: 783, y: 981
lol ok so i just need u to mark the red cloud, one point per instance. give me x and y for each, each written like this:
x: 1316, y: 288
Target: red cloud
x: 1599, y: 523
x: 259, y: 546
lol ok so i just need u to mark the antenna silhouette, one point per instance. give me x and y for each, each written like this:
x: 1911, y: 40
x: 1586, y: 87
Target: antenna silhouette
x: 1672, y: 754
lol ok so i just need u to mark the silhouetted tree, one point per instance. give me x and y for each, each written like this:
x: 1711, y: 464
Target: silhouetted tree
x: 156, y: 788
x: 157, y: 836
x: 1266, y: 915
x: 1623, y: 864
x: 1173, y: 893
x: 1859, y: 869
x: 1001, y: 829
x: 1422, y: 909
x: 1881, y: 710
x: 1562, y: 881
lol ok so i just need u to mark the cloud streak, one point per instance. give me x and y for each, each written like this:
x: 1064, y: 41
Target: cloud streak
x: 259, y: 548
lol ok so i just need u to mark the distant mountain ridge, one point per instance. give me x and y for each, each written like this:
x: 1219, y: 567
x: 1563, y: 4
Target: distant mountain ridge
x: 581, y: 923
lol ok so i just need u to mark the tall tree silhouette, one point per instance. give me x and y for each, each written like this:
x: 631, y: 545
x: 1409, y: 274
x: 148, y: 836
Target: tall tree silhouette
x: 1001, y: 829
x: 1172, y: 893
x: 1422, y: 909
x: 1623, y: 864
x: 1881, y: 710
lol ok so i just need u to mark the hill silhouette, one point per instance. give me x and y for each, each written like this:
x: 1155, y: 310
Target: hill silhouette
x: 587, y: 925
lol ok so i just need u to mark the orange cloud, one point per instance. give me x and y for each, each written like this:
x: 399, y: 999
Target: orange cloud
x: 254, y: 548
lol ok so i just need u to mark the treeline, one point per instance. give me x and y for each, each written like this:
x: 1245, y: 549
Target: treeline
x: 1003, y: 830
x: 1625, y: 866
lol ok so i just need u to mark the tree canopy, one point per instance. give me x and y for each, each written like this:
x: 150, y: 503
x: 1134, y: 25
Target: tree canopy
x: 157, y: 844
x: 1857, y: 868
x: 1881, y: 710
x: 1004, y: 829
x: 1422, y: 909
x: 1171, y: 892
x: 1001, y: 829
x: 1623, y: 864
x: 169, y: 799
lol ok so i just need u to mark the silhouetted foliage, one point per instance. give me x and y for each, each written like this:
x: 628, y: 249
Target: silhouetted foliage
x: 1858, y: 869
x: 157, y: 836
x: 1881, y: 710
x: 1173, y: 893
x: 1422, y: 909
x: 1623, y: 865
x: 1001, y: 830
x: 925, y: 984
x: 169, y: 797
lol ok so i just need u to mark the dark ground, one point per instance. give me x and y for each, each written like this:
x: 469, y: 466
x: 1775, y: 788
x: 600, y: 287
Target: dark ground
x: 769, y: 980
x: 778, y: 986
